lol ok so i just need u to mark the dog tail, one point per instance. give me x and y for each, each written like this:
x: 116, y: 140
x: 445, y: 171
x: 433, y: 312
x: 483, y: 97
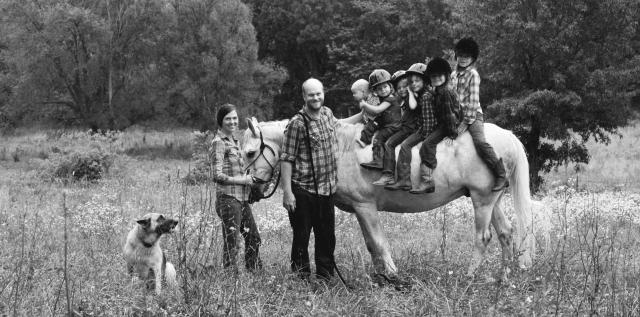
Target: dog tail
x: 170, y: 275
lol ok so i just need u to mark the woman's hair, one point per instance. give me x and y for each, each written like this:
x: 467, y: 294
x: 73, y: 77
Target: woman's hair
x: 223, y: 111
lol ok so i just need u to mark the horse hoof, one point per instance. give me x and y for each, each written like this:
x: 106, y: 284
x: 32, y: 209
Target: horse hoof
x: 399, y: 284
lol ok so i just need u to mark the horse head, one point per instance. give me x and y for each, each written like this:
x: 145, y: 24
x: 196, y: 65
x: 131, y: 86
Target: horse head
x: 261, y: 150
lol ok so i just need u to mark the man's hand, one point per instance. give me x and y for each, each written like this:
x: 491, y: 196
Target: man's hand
x: 289, y: 201
x: 248, y: 180
x: 362, y: 103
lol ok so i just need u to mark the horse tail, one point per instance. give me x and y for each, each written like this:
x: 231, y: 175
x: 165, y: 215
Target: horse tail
x: 525, y: 207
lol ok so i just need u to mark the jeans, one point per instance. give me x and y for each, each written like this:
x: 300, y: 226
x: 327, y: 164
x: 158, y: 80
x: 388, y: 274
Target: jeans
x: 484, y: 149
x: 380, y: 139
x: 368, y: 131
x: 237, y: 219
x: 404, y: 158
x: 318, y: 213
x: 389, y: 161
x: 429, y: 145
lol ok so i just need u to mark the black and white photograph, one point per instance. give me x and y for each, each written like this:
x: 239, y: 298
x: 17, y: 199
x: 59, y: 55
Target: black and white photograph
x: 319, y: 158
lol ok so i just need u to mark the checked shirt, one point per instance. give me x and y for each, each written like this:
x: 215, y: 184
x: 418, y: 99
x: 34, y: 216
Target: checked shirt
x: 227, y: 162
x: 322, y: 141
x: 466, y: 84
x: 429, y: 120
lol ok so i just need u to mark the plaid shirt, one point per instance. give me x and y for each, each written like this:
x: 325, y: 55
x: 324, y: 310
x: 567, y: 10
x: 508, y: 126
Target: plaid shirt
x: 447, y: 110
x: 227, y: 162
x: 322, y: 140
x: 429, y: 121
x: 466, y: 84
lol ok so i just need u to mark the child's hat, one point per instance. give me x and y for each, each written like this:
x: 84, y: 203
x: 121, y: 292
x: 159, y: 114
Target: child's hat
x: 378, y: 77
x: 467, y: 46
x: 438, y: 66
x: 395, y: 78
x: 417, y: 68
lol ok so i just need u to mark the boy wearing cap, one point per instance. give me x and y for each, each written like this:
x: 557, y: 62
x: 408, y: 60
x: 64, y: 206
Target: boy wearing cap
x: 466, y: 83
x: 388, y: 112
x: 409, y: 123
x: 447, y: 111
x: 421, y: 97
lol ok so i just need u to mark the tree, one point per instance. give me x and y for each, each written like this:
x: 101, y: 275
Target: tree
x: 391, y: 35
x: 557, y: 73
x: 295, y: 34
x: 77, y: 54
x: 112, y: 63
x: 213, y: 59
x: 347, y: 41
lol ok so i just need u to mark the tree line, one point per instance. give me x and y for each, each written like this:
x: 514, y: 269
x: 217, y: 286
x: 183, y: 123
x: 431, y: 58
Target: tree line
x: 557, y: 73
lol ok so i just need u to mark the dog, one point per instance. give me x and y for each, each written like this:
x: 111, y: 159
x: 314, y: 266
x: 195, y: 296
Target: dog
x: 143, y: 254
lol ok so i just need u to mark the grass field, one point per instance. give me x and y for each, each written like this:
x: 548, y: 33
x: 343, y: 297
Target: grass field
x: 592, y: 265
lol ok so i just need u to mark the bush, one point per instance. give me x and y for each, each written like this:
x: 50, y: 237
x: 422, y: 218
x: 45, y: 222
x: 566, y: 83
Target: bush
x: 75, y: 155
x: 91, y: 165
x: 201, y: 142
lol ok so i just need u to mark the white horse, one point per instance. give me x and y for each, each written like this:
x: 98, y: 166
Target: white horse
x: 460, y: 171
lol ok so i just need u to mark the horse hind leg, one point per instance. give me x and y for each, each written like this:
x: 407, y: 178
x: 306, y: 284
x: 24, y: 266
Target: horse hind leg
x: 483, y: 208
x: 505, y: 236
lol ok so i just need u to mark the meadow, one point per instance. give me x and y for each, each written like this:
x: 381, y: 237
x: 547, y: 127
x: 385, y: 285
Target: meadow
x: 62, y: 240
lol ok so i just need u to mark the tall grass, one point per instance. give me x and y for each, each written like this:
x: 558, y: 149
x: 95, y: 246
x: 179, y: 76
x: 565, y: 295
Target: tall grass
x: 591, y: 267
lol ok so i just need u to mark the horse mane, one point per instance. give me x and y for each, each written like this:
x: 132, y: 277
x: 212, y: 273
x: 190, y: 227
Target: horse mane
x: 346, y: 135
x: 272, y: 130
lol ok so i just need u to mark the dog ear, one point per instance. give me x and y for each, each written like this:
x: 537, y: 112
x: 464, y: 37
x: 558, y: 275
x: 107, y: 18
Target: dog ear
x: 144, y: 222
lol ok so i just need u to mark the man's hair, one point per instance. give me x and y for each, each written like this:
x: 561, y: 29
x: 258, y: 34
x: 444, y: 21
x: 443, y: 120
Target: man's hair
x: 360, y: 84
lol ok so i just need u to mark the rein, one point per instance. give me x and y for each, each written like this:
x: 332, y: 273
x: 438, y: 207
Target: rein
x: 273, y: 169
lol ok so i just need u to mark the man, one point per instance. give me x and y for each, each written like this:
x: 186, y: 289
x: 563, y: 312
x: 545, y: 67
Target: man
x: 309, y: 176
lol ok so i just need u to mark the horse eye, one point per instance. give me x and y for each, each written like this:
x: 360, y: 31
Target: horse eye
x: 251, y: 153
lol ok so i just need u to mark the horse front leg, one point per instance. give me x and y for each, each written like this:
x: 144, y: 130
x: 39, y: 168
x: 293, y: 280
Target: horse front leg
x: 375, y: 239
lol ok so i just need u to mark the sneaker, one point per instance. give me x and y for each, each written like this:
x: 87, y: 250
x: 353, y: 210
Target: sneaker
x: 385, y: 179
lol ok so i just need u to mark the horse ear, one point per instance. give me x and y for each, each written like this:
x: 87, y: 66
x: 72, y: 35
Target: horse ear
x: 250, y: 124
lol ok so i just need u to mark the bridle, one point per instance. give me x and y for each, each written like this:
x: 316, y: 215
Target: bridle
x: 273, y: 168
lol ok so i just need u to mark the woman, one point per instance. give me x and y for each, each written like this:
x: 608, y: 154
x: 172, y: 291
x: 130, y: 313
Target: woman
x: 232, y: 193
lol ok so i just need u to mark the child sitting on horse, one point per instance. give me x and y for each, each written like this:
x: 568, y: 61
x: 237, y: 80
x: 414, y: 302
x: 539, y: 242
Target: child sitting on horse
x: 420, y: 97
x: 388, y: 111
x: 447, y: 112
x: 360, y: 91
x: 466, y: 83
x: 409, y: 123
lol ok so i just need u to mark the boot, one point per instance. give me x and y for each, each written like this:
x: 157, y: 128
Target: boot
x: 376, y: 163
x: 501, y: 181
x: 427, y: 184
x: 385, y: 179
x: 404, y: 178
